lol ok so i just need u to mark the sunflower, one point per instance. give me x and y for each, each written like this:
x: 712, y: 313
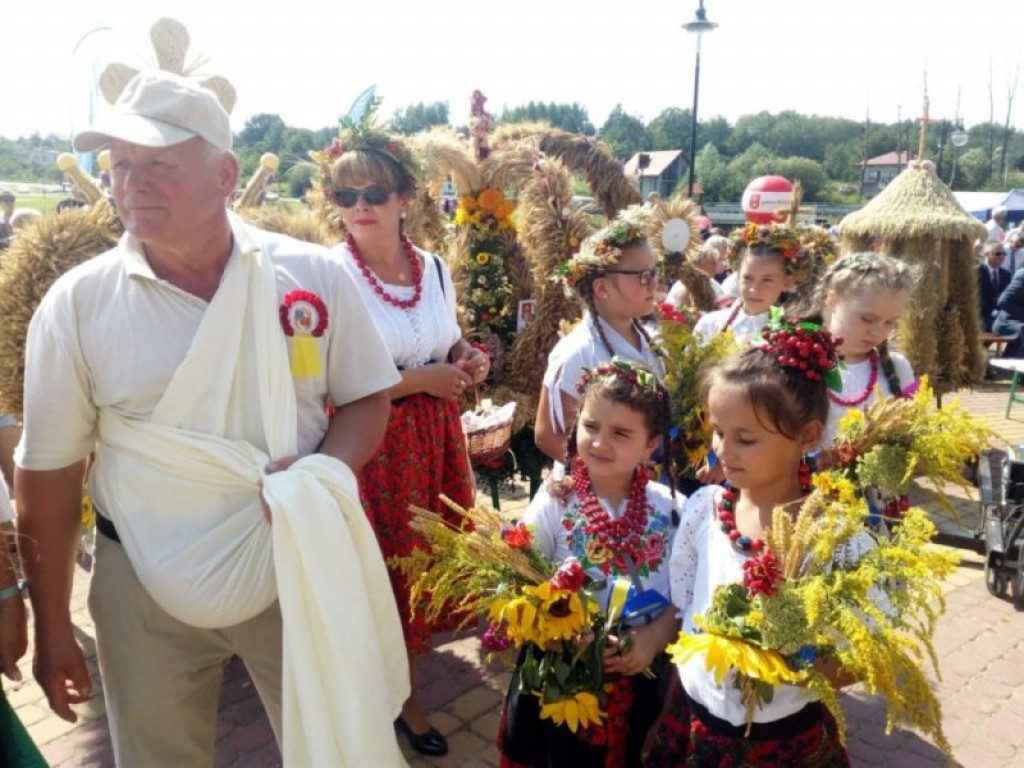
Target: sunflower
x: 482, y: 258
x: 561, y: 613
x: 724, y: 653
x: 581, y: 710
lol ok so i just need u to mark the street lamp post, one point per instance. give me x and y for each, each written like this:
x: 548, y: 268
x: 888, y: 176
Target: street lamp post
x: 700, y: 25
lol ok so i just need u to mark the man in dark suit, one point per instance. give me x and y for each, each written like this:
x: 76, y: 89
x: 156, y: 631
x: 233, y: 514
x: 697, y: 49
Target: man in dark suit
x: 1009, y: 319
x: 992, y: 281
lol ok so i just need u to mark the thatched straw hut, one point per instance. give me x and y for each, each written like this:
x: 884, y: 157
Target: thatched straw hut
x: 919, y: 220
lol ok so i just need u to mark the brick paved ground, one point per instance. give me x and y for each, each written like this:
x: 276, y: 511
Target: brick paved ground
x: 980, y: 642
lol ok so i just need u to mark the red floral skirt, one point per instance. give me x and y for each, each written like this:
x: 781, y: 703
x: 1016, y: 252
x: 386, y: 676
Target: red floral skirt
x: 809, y: 739
x: 423, y: 455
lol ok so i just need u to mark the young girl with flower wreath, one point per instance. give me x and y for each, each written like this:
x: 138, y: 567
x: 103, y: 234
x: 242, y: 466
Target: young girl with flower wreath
x: 616, y: 276
x: 618, y: 525
x: 768, y: 408
x: 769, y: 261
x: 861, y: 298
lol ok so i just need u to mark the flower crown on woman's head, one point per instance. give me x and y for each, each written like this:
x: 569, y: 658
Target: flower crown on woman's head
x: 623, y: 370
x: 777, y: 237
x: 603, y: 249
x: 805, y: 347
x: 365, y: 135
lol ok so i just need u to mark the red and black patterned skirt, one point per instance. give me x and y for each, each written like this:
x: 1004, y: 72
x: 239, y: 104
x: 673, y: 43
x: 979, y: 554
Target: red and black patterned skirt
x: 808, y: 739
x: 423, y: 454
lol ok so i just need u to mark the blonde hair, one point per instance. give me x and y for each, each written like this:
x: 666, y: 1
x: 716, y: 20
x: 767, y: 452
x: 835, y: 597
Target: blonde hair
x: 866, y: 271
x: 368, y: 165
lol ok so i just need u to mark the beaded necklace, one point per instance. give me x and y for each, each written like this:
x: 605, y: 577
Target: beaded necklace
x: 853, y: 401
x: 371, y: 278
x: 625, y: 534
x: 727, y: 513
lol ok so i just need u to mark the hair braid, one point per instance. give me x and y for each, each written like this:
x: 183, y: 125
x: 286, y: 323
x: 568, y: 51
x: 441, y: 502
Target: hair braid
x: 889, y: 369
x: 586, y: 292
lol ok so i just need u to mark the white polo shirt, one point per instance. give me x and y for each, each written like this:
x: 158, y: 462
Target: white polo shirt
x: 110, y: 334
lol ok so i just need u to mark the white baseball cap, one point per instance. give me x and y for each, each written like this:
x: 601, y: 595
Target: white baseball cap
x: 160, y: 109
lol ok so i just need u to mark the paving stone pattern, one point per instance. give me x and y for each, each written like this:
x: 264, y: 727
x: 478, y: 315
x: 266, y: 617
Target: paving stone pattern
x: 980, y: 643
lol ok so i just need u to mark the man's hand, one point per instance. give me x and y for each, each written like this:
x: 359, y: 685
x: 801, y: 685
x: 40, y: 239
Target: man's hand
x: 59, y: 668
x: 630, y: 653
x: 277, y: 465
x: 13, y: 635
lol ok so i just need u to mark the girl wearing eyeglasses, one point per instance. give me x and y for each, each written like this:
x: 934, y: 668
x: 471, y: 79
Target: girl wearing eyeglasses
x: 615, y: 275
x: 410, y: 296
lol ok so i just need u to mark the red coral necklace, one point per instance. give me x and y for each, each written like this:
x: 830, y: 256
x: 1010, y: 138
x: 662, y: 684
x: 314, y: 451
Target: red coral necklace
x: 872, y: 380
x: 727, y: 513
x: 624, y: 534
x: 371, y: 278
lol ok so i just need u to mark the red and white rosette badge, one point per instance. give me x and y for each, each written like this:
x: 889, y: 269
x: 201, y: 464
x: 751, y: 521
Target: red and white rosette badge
x: 304, y: 318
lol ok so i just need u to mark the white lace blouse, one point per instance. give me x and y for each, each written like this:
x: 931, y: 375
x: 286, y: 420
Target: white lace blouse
x: 744, y: 327
x: 855, y: 378
x: 419, y: 335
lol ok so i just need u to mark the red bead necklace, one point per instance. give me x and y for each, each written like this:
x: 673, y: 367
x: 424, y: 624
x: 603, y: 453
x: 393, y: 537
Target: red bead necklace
x: 625, y: 534
x: 848, y: 403
x: 727, y: 513
x: 371, y: 278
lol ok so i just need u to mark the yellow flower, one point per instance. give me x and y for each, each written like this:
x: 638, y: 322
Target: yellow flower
x: 597, y: 552
x: 461, y: 216
x: 561, y: 613
x: 467, y: 203
x: 722, y: 654
x: 482, y: 258
x: 580, y: 710
x: 853, y: 420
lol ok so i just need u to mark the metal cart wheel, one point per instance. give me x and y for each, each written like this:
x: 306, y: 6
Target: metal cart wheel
x: 995, y: 579
x: 1017, y: 588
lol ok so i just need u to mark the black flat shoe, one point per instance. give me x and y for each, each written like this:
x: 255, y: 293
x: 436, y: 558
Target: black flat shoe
x: 430, y: 743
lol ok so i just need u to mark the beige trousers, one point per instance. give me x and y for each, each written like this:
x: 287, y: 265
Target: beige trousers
x: 161, y: 677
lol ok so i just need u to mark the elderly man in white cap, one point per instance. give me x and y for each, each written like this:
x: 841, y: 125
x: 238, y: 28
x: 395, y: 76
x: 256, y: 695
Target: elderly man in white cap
x: 198, y: 361
x: 995, y: 224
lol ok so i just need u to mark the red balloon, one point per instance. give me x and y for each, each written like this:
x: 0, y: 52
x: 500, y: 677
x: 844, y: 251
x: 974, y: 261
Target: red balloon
x: 767, y: 198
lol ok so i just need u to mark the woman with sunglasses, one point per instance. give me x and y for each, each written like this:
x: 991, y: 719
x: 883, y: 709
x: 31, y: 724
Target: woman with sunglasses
x: 410, y: 296
x: 615, y: 275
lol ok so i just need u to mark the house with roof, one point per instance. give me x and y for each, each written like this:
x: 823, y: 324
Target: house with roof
x: 877, y: 172
x: 658, y: 171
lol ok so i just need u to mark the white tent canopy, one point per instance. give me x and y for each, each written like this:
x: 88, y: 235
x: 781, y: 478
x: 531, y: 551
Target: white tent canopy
x: 980, y: 204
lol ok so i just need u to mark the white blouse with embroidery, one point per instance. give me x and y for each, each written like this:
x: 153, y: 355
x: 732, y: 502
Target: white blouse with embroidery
x: 855, y: 378
x: 419, y: 335
x: 745, y: 328
x: 558, y: 535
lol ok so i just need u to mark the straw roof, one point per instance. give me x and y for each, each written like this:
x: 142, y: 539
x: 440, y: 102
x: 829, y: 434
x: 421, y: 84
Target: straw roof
x: 914, y: 204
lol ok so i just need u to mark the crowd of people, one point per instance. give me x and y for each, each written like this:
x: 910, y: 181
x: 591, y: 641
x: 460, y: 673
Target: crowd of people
x: 191, y: 372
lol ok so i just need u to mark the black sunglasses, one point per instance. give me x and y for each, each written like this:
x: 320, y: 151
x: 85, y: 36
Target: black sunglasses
x: 644, y: 276
x: 346, y: 197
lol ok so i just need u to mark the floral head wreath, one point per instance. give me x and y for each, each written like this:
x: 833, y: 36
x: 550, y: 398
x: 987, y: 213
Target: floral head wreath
x: 603, y: 249
x: 777, y: 237
x: 620, y: 369
x: 805, y: 347
x: 365, y: 135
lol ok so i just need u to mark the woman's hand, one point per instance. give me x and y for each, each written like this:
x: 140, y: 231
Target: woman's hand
x: 278, y: 465
x: 445, y: 381
x: 711, y: 475
x: 558, y: 486
x: 830, y: 668
x: 475, y: 363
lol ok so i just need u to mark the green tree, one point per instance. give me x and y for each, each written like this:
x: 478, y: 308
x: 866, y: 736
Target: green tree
x: 625, y: 134
x: 808, y: 172
x: 670, y: 130
x: 299, y: 178
x: 419, y: 117
x: 713, y: 174
x: 569, y: 117
x: 261, y: 128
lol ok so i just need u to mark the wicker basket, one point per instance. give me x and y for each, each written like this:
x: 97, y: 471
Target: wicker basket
x: 490, y: 442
